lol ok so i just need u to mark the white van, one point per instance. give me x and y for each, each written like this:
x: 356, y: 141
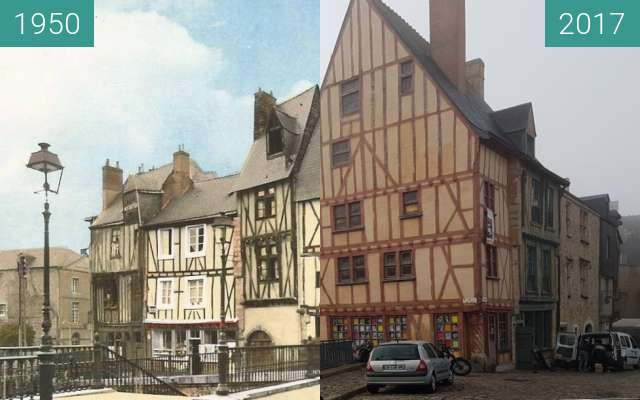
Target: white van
x: 622, y: 349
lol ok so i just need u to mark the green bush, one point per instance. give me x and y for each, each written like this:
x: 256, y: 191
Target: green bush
x: 9, y: 335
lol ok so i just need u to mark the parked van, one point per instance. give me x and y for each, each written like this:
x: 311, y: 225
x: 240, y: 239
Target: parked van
x: 621, y: 349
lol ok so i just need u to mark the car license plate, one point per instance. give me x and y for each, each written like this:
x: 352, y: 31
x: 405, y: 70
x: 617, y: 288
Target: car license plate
x: 392, y: 367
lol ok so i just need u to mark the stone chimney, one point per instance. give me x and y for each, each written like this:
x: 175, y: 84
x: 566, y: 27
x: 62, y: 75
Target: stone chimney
x: 111, y: 184
x: 448, y: 41
x: 263, y: 104
x: 475, y: 77
x: 181, y: 162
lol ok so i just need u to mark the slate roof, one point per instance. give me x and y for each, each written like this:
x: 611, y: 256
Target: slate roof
x: 206, y: 199
x: 58, y: 257
x: 150, y: 181
x: 258, y: 169
x: 308, y: 177
x: 477, y: 112
x: 513, y: 119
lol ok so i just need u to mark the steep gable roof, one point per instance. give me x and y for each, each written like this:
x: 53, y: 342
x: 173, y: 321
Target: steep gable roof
x: 308, y: 177
x: 294, y: 116
x: 60, y: 257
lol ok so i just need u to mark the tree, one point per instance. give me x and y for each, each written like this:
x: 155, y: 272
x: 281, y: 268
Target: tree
x: 9, y: 335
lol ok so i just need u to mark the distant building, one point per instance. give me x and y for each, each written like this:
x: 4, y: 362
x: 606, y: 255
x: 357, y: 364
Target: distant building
x: 610, y: 243
x: 628, y: 299
x: 70, y: 293
x: 579, y: 260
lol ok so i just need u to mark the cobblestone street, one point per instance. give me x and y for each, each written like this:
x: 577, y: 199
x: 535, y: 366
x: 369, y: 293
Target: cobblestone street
x: 516, y: 385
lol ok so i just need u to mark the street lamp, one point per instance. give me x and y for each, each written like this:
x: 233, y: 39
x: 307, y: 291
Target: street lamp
x: 22, y: 276
x: 46, y: 162
x: 226, y: 229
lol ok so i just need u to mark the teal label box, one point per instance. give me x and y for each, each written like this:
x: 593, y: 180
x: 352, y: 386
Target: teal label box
x: 592, y: 23
x: 46, y: 23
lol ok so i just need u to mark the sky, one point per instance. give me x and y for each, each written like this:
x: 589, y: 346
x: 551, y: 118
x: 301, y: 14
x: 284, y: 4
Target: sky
x: 585, y: 101
x: 163, y: 73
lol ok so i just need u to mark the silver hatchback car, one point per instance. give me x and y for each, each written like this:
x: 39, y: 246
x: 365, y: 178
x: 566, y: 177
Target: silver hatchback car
x: 407, y: 363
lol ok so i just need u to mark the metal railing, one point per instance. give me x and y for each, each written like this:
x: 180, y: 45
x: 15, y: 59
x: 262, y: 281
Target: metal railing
x: 251, y: 367
x: 18, y: 377
x: 336, y: 353
x: 179, y: 365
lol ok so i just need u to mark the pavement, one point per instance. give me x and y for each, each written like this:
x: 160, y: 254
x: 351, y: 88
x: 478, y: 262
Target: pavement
x: 512, y: 385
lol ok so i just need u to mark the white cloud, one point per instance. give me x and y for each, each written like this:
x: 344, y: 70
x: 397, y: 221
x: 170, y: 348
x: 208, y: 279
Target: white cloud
x: 298, y: 88
x: 145, y: 87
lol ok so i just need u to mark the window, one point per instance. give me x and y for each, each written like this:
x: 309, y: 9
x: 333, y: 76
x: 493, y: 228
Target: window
x: 536, y: 202
x: 548, y: 207
x: 489, y: 195
x: 339, y: 328
x: 532, y: 269
x: 584, y: 231
x: 503, y: 332
x: 540, y: 321
x: 75, y: 339
x: 165, y: 243
x: 410, y: 204
x: 275, y: 144
x: 347, y: 216
x: 585, y: 266
x: 167, y: 338
x: 567, y: 218
x: 397, y: 327
x: 368, y: 329
x: 115, y: 243
x: 111, y: 293
x: 75, y: 312
x: 398, y: 265
x: 164, y: 293
x: 492, y: 261
x: 406, y: 78
x: 3, y: 311
x: 350, y: 94
x: 351, y: 269
x: 568, y: 272
x: 75, y: 285
x: 196, y: 239
x: 268, y: 257
x: 546, y: 270
x: 196, y: 291
x: 448, y: 331
x: 317, y: 279
x: 266, y: 203
x: 340, y: 153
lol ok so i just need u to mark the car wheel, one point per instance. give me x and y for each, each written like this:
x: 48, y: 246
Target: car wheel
x: 433, y: 386
x: 373, y: 389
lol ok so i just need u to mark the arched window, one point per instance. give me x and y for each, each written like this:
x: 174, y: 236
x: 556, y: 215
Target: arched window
x: 588, y: 328
x: 75, y: 339
x: 259, y: 338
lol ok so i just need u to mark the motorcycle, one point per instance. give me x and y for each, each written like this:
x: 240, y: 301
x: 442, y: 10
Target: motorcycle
x: 361, y: 352
x: 458, y: 365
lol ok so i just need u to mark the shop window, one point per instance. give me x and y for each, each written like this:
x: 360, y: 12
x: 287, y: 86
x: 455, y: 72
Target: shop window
x: 339, y: 328
x: 368, y: 329
x: 397, y: 328
x: 448, y: 331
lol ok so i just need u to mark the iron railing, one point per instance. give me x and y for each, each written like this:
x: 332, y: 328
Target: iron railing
x: 251, y: 367
x: 336, y: 353
x: 179, y: 365
x: 18, y: 377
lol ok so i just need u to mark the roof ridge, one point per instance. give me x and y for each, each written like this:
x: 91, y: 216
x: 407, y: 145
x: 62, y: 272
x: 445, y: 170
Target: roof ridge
x: 313, y: 86
x: 402, y: 19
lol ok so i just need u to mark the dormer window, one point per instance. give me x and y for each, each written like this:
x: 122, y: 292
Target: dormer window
x: 275, y: 144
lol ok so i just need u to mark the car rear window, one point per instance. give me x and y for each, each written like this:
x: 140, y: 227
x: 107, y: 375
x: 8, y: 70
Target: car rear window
x: 567, y: 340
x: 396, y: 352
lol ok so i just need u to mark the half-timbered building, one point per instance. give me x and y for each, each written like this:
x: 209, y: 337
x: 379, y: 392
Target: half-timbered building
x: 118, y: 245
x: 417, y: 197
x: 191, y: 246
x: 278, y: 244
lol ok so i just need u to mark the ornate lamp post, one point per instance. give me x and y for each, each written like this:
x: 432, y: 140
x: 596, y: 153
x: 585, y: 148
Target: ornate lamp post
x: 46, y: 162
x: 225, y: 229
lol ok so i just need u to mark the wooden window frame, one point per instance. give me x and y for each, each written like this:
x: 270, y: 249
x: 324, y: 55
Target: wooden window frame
x: 115, y: 248
x: 348, y: 215
x: 334, y: 153
x: 393, y: 321
x: 528, y: 288
x: 549, y: 208
x: 403, y: 204
x: 75, y: 312
x: 397, y: 266
x: 492, y: 261
x: 272, y: 131
x: 402, y: 75
x: 269, y: 258
x: 160, y: 304
x: 197, y: 253
x: 345, y: 323
x: 537, y: 218
x: 504, y: 332
x: 269, y: 197
x: 161, y: 250
x: 547, y: 272
x: 189, y: 304
x: 344, y: 93
x: 75, y: 285
x: 352, y: 270
x: 490, y: 196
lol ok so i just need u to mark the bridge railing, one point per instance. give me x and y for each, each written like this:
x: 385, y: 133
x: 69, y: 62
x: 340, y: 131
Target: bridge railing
x: 336, y: 353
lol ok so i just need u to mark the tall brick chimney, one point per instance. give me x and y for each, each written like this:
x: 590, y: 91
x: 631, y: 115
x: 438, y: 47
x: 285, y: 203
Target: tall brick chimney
x: 448, y: 41
x: 475, y: 77
x: 179, y: 182
x: 263, y: 104
x: 111, y: 184
x: 181, y: 162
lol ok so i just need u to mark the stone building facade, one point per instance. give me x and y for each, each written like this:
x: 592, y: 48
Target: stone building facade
x: 579, y: 257
x: 70, y: 294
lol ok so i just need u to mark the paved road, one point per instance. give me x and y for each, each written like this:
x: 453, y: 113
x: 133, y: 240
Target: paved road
x: 514, y: 385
